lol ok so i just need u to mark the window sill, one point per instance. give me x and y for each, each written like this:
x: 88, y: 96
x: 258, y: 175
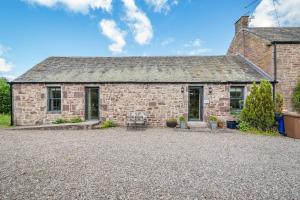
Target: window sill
x: 54, y: 112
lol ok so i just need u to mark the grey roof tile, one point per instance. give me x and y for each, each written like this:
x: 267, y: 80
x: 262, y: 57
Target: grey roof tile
x: 287, y: 34
x: 142, y: 69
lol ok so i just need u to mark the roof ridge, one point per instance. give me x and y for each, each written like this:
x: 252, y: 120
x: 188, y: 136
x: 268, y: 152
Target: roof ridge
x: 183, y: 56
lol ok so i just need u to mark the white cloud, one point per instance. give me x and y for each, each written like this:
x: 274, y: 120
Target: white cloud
x: 10, y: 77
x: 82, y: 6
x: 161, y: 5
x: 193, y: 48
x: 110, y: 29
x: 265, y: 16
x: 4, y: 65
x: 138, y: 22
x: 167, y: 41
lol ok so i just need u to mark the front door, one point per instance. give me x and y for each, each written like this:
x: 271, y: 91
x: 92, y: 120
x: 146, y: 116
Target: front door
x: 195, y: 103
x: 92, y: 103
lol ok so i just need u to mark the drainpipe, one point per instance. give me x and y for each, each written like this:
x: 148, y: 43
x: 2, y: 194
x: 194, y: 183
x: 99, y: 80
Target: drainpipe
x: 11, y: 105
x: 275, y: 69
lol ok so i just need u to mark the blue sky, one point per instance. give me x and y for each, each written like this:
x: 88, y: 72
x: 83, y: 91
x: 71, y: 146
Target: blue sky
x: 32, y: 30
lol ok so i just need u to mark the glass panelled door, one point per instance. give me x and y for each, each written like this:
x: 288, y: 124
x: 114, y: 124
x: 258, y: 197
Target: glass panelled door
x: 195, y: 103
x: 92, y: 103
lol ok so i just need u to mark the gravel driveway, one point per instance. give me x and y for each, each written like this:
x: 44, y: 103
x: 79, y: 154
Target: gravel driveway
x: 151, y: 164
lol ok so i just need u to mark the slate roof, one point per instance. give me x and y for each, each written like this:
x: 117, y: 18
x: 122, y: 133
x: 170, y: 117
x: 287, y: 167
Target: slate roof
x: 193, y: 69
x: 291, y: 34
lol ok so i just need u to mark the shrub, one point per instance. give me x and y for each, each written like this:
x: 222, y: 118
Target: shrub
x: 60, y: 121
x: 4, y: 96
x: 296, y: 98
x: 213, y: 118
x: 182, y: 118
x: 76, y: 120
x: 172, y: 120
x: 278, y: 103
x: 108, y: 124
x: 244, y: 126
x: 259, y: 108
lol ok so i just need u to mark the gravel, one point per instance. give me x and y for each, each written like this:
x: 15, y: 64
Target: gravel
x: 151, y: 164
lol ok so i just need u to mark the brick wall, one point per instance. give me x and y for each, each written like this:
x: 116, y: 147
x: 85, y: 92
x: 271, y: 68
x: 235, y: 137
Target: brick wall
x: 254, y: 48
x: 288, y: 71
x: 159, y: 101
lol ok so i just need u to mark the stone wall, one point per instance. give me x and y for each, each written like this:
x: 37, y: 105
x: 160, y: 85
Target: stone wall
x: 159, y: 101
x: 30, y: 103
x: 288, y: 71
x: 255, y: 49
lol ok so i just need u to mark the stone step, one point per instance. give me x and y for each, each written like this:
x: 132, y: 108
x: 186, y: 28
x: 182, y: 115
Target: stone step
x: 192, y: 124
x: 68, y: 126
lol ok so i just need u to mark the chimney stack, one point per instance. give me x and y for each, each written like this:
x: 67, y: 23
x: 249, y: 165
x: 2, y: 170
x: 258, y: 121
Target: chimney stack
x: 243, y: 22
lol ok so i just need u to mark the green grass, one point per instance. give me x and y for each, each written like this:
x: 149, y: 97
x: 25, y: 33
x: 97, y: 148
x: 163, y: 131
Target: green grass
x: 258, y: 132
x: 4, y: 121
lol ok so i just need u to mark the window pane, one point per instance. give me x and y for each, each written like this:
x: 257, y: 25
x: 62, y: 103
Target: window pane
x: 236, y: 98
x: 54, y: 99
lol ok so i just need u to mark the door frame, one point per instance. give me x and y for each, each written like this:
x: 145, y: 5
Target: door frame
x: 201, y: 98
x: 86, y: 89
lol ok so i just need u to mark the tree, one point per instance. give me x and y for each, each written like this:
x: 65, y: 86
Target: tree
x: 4, y: 96
x: 259, y: 108
x: 296, y: 98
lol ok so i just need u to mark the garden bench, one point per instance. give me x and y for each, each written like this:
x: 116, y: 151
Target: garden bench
x: 136, y: 120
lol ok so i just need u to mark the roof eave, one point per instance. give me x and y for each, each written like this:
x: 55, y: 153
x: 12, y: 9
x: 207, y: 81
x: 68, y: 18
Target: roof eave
x: 285, y: 42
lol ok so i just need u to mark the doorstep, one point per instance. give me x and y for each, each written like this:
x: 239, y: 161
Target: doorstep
x: 67, y: 126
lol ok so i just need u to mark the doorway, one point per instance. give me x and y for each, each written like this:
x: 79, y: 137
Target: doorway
x: 91, y: 103
x: 195, y: 103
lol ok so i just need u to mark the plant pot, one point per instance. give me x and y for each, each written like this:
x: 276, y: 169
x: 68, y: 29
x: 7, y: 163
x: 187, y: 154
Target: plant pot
x: 231, y: 124
x: 292, y: 125
x: 171, y: 124
x: 213, y: 125
x: 182, y: 125
x: 220, y: 124
x: 280, y: 121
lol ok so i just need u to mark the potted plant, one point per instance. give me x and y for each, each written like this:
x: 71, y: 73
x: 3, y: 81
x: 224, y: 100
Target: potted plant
x: 182, y: 122
x: 172, y: 122
x: 213, y: 121
x: 278, y: 113
x: 232, y: 124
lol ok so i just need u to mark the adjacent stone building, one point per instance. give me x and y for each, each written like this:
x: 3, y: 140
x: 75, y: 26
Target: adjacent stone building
x: 275, y: 50
x: 102, y: 88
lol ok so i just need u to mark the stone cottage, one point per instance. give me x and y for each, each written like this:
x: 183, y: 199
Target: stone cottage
x: 101, y: 88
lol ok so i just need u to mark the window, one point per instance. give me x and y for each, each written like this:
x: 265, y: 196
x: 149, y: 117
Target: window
x: 236, y: 98
x: 54, y: 99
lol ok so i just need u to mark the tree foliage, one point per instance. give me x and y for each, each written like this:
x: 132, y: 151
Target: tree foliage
x: 259, y: 108
x: 4, y: 96
x: 296, y: 98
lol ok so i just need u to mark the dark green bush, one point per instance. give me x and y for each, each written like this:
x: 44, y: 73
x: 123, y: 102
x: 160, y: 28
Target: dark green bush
x: 296, y: 98
x: 259, y: 108
x: 4, y: 96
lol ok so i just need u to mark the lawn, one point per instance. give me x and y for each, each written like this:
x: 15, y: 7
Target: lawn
x: 4, y: 121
